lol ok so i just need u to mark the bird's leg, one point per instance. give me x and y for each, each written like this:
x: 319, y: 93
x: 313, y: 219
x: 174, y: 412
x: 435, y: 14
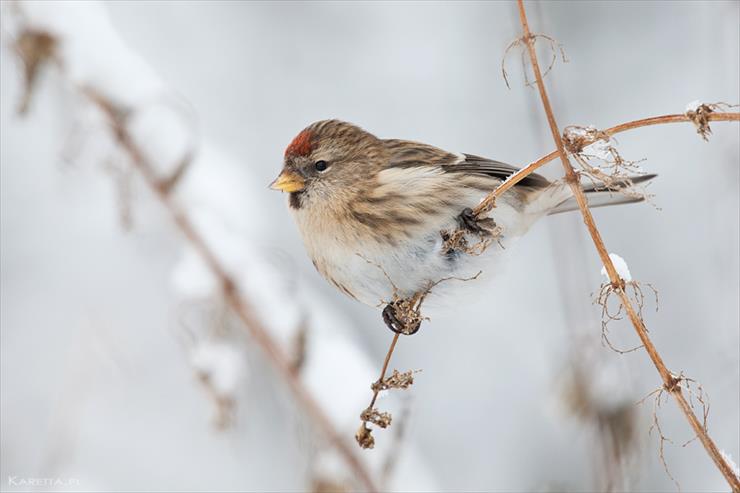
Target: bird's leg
x: 397, y: 322
x: 468, y: 221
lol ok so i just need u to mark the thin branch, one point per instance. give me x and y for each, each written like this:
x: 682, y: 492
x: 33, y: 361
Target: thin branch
x: 670, y: 383
x: 489, y: 202
x: 364, y: 436
x: 376, y: 389
x: 259, y: 333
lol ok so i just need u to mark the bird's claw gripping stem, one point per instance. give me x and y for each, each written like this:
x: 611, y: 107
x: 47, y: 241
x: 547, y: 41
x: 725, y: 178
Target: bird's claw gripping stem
x: 469, y: 221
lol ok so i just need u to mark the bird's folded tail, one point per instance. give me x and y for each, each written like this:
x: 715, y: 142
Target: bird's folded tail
x: 599, y: 196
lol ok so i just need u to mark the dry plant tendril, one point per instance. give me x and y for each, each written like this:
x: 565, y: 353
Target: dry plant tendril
x: 555, y: 49
x: 696, y: 393
x: 631, y: 289
x: 600, y: 161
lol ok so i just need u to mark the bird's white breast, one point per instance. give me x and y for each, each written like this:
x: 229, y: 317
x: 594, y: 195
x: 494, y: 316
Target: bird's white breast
x: 374, y: 271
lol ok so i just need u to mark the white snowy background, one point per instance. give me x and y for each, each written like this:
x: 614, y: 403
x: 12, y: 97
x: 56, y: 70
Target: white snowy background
x: 103, y: 331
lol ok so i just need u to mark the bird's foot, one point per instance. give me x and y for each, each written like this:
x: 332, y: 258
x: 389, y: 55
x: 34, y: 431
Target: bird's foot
x: 468, y: 221
x: 398, y: 322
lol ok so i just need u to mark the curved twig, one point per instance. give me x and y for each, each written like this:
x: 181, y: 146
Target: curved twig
x: 488, y: 203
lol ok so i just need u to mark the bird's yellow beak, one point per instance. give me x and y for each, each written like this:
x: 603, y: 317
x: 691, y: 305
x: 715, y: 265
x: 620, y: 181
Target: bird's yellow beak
x: 288, y: 181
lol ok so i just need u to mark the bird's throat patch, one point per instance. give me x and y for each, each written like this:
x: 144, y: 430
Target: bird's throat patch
x: 295, y: 200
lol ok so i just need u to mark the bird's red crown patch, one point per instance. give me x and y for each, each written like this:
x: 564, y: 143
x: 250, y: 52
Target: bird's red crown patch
x: 301, y: 145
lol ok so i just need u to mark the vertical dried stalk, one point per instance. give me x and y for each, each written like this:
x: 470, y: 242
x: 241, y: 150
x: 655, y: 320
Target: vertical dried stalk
x: 260, y: 334
x: 670, y: 383
x: 383, y: 370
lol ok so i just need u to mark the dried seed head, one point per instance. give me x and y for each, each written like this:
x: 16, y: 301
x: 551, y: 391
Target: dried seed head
x: 576, y: 138
x: 457, y: 241
x: 599, y: 161
x: 364, y: 437
x: 699, y: 112
x: 405, y: 314
x: 376, y: 417
x: 397, y: 380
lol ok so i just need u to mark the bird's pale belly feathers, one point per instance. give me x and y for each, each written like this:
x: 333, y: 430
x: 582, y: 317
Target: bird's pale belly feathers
x: 374, y: 274
x: 374, y: 270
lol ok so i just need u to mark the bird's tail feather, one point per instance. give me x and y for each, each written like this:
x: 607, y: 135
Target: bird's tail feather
x: 598, y: 196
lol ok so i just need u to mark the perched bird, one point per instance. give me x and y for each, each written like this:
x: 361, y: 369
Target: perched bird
x: 375, y: 214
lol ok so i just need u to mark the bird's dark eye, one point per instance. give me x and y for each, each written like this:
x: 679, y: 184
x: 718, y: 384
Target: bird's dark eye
x: 320, y: 165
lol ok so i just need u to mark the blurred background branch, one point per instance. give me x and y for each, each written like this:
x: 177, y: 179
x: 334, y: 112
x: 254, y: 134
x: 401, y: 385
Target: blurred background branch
x: 99, y: 367
x: 154, y: 144
x: 236, y: 301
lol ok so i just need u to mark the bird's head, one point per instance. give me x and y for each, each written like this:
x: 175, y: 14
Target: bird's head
x: 327, y: 160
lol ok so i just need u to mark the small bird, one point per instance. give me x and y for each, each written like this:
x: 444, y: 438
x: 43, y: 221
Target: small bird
x: 375, y: 214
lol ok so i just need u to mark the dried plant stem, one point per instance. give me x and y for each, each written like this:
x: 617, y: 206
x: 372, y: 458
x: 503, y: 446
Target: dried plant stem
x: 241, y: 307
x: 383, y: 370
x: 657, y: 120
x: 670, y: 383
x: 488, y: 203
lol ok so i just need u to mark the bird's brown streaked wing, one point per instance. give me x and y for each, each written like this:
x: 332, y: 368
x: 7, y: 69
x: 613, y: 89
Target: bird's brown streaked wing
x: 483, y: 166
x: 407, y: 154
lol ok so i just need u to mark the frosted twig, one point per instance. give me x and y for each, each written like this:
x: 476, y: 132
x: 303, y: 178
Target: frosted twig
x: 599, y: 161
